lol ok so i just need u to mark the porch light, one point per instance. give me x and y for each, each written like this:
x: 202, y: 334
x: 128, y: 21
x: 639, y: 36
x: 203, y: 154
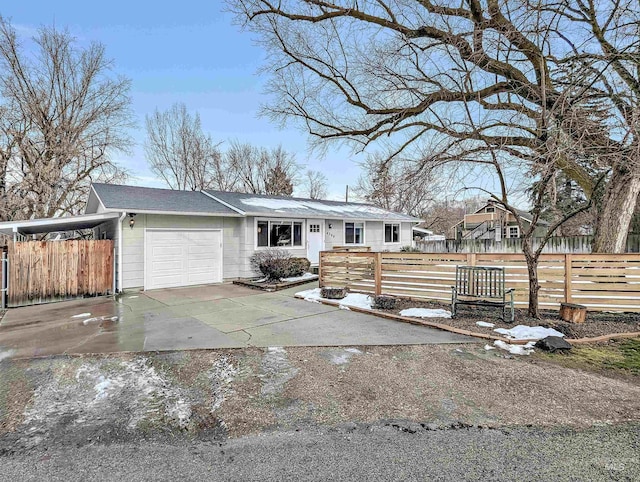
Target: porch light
x: 132, y: 221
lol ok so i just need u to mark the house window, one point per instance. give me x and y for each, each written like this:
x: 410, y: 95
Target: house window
x: 490, y: 210
x: 279, y: 234
x: 314, y: 228
x: 391, y: 233
x: 353, y: 233
x: 514, y: 232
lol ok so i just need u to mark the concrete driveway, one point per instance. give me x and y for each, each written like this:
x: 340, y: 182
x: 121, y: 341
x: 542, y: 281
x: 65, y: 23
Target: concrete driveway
x: 214, y: 316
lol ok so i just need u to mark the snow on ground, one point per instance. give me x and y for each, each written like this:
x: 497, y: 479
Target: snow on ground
x: 489, y: 347
x: 81, y: 315
x: 341, y: 356
x: 6, y: 354
x: 485, y: 324
x: 523, y: 332
x: 99, y: 319
x: 354, y: 300
x: 425, y: 313
x: 305, y: 276
x: 515, y: 349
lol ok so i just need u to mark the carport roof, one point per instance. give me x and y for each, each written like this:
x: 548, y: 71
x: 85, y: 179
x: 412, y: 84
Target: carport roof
x: 146, y: 199
x: 50, y: 225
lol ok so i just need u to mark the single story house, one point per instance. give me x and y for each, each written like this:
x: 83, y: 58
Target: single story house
x: 168, y: 238
x: 493, y: 221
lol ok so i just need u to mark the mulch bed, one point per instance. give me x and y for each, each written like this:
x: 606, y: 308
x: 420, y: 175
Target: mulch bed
x: 597, y: 323
x: 265, y: 286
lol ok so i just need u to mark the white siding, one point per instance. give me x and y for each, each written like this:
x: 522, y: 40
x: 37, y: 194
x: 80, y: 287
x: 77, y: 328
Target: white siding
x: 133, y: 243
x: 373, y: 235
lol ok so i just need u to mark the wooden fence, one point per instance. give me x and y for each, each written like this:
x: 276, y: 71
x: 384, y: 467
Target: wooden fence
x: 44, y: 271
x: 602, y: 282
x: 558, y: 244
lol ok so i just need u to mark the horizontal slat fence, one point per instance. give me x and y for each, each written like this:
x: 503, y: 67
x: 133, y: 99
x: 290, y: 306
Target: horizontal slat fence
x: 45, y: 271
x: 556, y: 245
x: 601, y: 282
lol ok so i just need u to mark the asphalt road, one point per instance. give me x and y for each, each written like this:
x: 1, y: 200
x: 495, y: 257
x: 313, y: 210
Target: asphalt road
x: 377, y: 452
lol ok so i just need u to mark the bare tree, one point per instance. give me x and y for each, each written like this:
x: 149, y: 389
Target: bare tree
x: 441, y: 216
x: 315, y: 185
x: 262, y: 171
x: 63, y: 115
x: 407, y: 74
x: 182, y: 154
x: 397, y: 185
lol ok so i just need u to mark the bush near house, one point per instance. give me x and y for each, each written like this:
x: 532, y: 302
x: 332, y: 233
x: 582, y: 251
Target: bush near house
x: 275, y: 264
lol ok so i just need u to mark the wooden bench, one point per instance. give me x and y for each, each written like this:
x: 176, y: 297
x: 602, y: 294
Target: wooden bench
x: 481, y: 285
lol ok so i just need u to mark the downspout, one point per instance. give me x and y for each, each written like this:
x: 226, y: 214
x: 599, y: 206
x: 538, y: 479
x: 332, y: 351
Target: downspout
x: 120, y: 219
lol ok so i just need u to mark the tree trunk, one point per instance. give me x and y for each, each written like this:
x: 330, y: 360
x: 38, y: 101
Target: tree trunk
x: 534, y: 284
x: 615, y: 213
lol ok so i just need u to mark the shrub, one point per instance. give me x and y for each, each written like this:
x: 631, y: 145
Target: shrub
x: 410, y: 249
x: 275, y: 264
x: 299, y: 266
x: 384, y: 302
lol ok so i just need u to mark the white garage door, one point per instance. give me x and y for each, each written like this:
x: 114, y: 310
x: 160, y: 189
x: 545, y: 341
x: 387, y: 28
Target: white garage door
x: 182, y: 258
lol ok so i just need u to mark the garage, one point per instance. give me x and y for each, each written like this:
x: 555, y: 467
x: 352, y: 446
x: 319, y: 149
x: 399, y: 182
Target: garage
x: 179, y: 257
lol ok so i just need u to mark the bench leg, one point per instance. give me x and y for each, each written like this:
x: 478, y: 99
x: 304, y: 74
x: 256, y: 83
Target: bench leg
x: 454, y: 299
x: 513, y: 312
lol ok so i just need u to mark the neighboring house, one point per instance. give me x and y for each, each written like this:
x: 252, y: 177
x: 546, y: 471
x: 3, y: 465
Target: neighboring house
x: 166, y: 238
x: 493, y: 221
x: 423, y: 234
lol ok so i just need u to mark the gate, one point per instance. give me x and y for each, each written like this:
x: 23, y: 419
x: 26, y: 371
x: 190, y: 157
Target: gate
x: 45, y: 271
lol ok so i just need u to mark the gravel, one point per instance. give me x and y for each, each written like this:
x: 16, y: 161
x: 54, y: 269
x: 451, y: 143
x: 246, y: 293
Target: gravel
x: 597, y: 323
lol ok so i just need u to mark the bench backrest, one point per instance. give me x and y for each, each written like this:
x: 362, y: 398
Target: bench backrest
x: 480, y: 281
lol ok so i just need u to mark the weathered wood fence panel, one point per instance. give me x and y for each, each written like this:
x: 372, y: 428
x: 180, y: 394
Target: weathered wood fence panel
x: 44, y: 271
x: 599, y: 281
x: 555, y: 245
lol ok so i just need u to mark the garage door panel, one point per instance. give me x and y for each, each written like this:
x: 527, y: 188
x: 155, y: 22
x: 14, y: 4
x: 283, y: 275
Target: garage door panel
x: 182, y: 258
x: 160, y: 251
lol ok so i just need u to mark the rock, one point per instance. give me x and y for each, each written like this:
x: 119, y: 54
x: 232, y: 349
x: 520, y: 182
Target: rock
x: 333, y: 293
x: 553, y: 343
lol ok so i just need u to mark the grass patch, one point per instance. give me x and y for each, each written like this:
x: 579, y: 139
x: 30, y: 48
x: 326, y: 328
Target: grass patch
x: 619, y: 356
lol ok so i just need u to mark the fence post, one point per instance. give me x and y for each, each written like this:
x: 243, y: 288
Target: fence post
x: 471, y: 259
x: 567, y: 278
x: 378, y: 272
x: 320, y: 259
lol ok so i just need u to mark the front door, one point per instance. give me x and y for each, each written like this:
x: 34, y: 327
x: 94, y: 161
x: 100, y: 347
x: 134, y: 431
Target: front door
x: 315, y: 242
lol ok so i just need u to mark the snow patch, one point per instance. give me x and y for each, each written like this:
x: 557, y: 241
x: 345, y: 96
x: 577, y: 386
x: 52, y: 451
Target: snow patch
x: 309, y: 276
x: 6, y: 354
x: 515, y: 349
x: 426, y: 313
x: 523, y: 332
x: 132, y: 297
x: 81, y: 315
x: 489, y: 347
x: 485, y: 324
x: 99, y: 319
x: 353, y: 300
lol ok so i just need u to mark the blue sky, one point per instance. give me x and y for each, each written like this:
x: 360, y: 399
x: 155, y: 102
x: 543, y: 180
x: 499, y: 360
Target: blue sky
x: 187, y: 51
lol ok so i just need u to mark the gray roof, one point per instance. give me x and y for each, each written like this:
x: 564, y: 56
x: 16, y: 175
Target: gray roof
x: 133, y: 198
x: 281, y: 206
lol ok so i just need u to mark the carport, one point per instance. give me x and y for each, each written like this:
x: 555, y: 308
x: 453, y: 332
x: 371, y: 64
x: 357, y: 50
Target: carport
x: 36, y: 271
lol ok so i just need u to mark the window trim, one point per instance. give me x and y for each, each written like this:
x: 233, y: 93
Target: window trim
x: 344, y: 232
x: 384, y: 234
x: 303, y: 238
x: 517, y: 228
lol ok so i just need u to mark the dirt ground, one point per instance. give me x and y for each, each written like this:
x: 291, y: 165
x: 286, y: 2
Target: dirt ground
x: 230, y: 393
x: 596, y: 324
